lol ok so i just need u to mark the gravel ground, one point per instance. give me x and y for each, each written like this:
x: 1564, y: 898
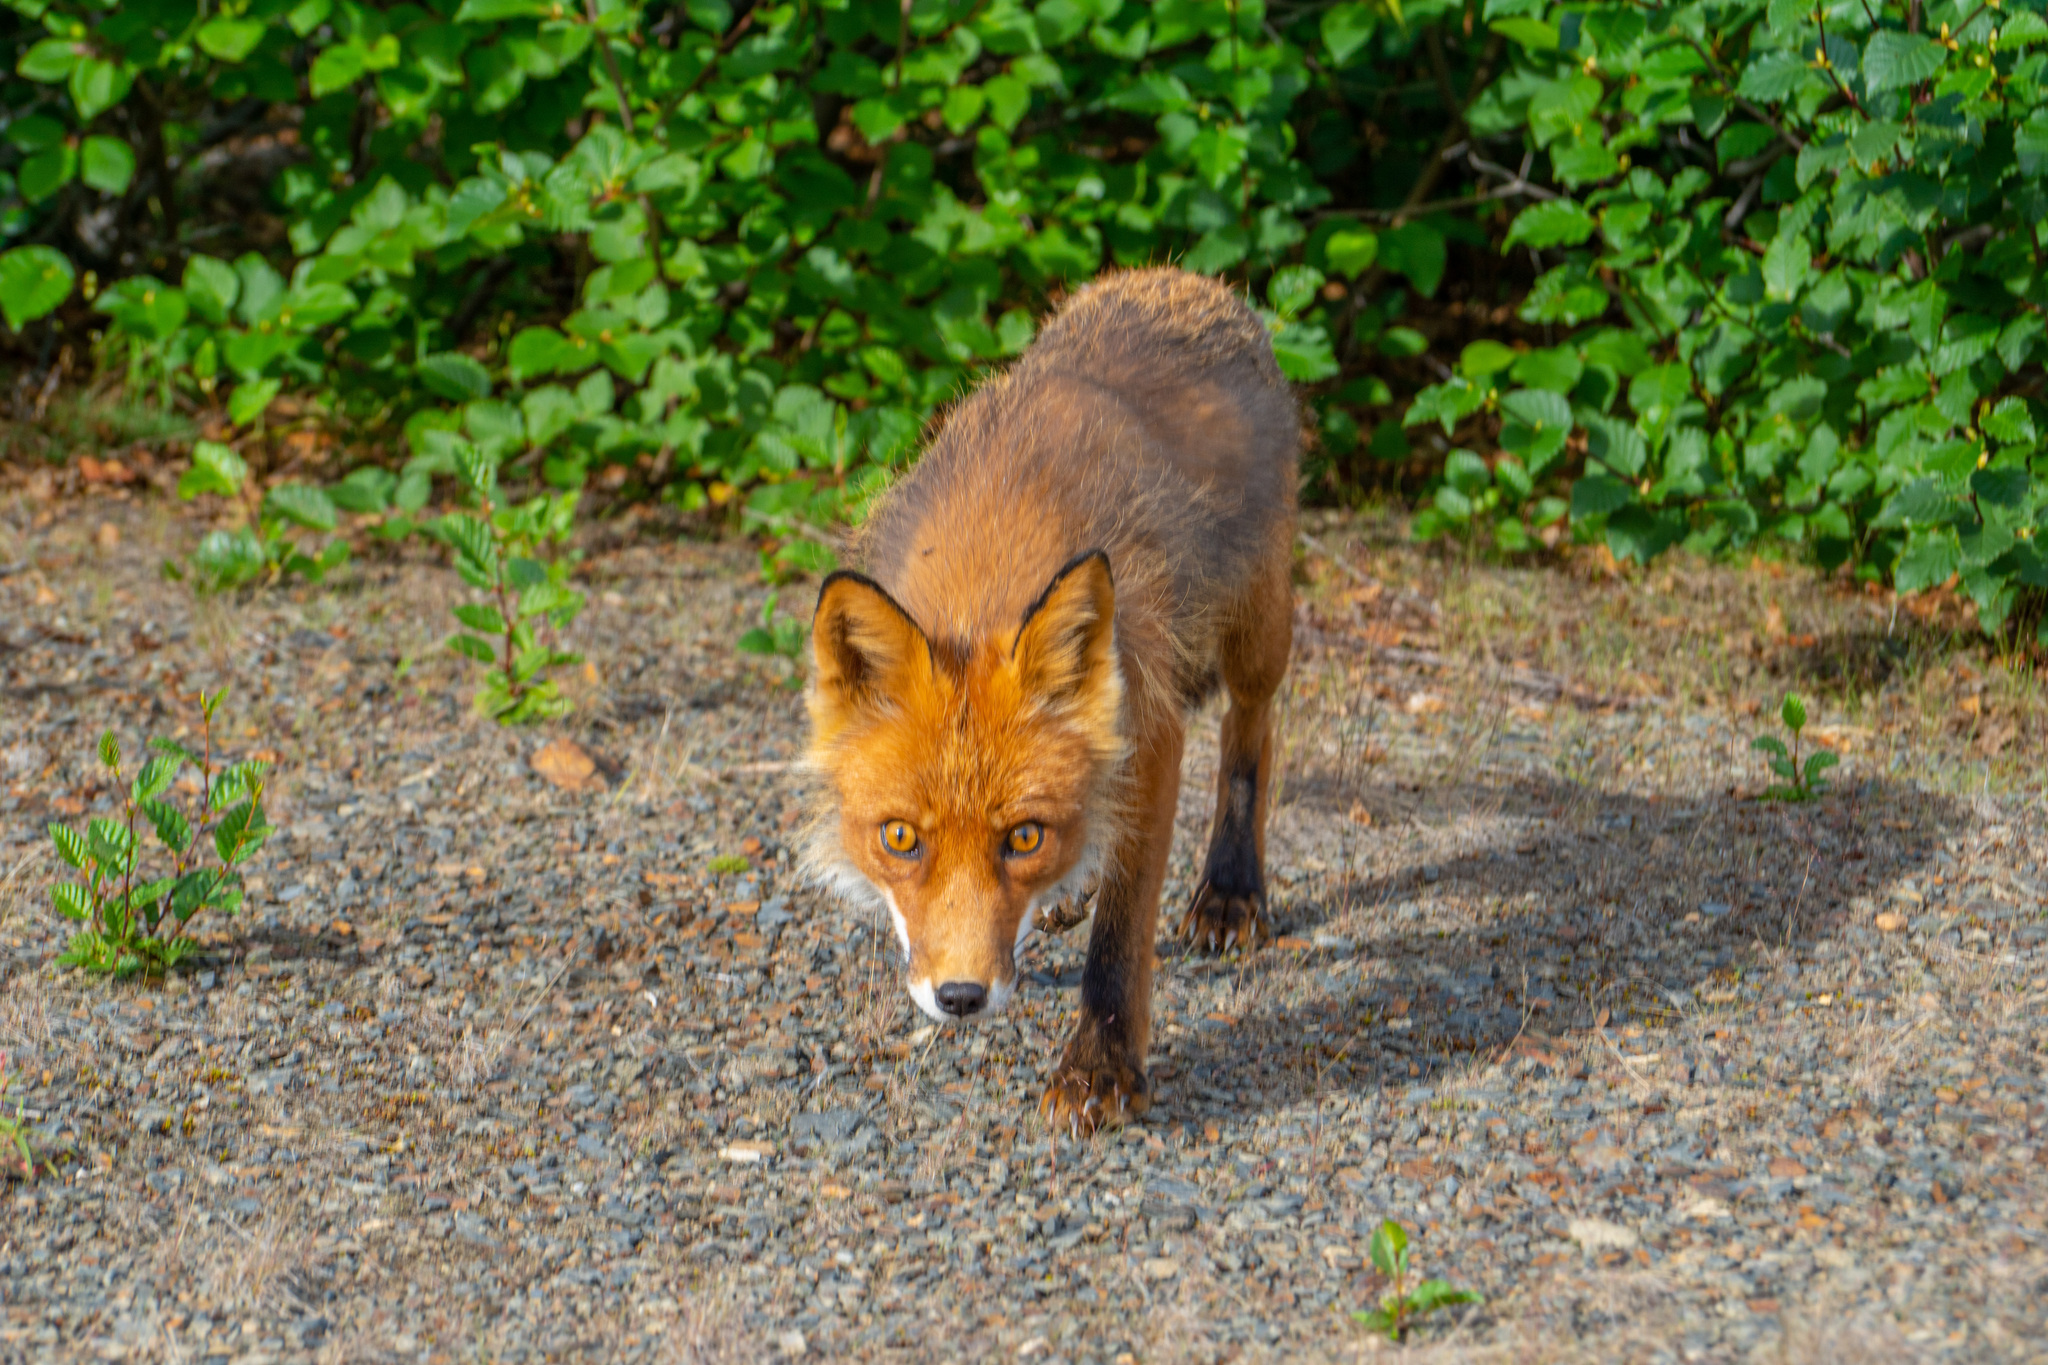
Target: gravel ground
x: 493, y: 1070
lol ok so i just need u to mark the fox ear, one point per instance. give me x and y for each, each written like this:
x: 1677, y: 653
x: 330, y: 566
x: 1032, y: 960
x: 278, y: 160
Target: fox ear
x: 1066, y: 647
x: 863, y: 647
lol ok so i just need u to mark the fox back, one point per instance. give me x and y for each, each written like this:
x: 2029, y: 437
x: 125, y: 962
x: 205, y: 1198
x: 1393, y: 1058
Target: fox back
x: 1048, y: 581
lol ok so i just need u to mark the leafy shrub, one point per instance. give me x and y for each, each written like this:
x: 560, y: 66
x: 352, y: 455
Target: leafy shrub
x: 744, y: 251
x: 135, y: 926
x: 267, y: 545
x: 1795, y: 260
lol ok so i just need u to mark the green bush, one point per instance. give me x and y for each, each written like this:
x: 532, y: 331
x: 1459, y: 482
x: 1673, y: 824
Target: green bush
x: 1795, y: 262
x: 744, y: 251
x: 1777, y: 265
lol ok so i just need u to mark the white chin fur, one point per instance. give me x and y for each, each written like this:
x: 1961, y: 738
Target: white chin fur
x: 921, y: 992
x: 999, y: 998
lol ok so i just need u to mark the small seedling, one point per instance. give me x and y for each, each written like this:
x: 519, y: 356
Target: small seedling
x: 781, y: 638
x: 729, y: 862
x: 498, y: 550
x: 133, y: 926
x: 1801, y: 783
x: 267, y: 545
x: 13, y: 1127
x: 1389, y: 1252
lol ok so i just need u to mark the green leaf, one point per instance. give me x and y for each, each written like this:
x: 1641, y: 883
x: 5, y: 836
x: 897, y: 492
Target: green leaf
x: 48, y: 171
x: 336, y: 68
x: 97, y: 85
x: 33, y: 281
x: 1467, y: 473
x: 1304, y: 353
x: 50, y: 60
x: 113, y: 847
x: 106, y: 164
x: 1483, y: 358
x: 1389, y: 1248
x: 71, y: 900
x: 1445, y: 403
x: 230, y: 559
x: 228, y: 39
x: 70, y: 845
x: 1417, y: 251
x: 469, y: 647
x: 1293, y: 288
x: 239, y: 834
x: 156, y: 776
x: 490, y: 11
x: 543, y: 350
x: 109, y: 750
x: 481, y: 616
x: 215, y: 469
x: 1347, y: 28
x: 1431, y: 1295
x: 1793, y: 712
x: 455, y: 376
x: 1788, y: 261
x: 1768, y: 744
x: 250, y: 400
x: 366, y: 490
x: 1930, y: 559
x: 1378, y: 1320
x: 172, y: 829
x: 1893, y: 60
x: 1351, y: 251
x: 1599, y: 493
x: 2010, y: 422
x: 210, y: 287
x: 300, y: 504
x: 1533, y: 34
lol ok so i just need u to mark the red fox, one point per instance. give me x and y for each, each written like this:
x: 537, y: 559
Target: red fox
x: 1092, y: 544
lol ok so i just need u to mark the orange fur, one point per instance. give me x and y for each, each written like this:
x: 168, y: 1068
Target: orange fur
x: 1091, y: 545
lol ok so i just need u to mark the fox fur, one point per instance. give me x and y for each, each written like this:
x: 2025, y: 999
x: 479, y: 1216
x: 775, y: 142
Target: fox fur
x: 1091, y: 545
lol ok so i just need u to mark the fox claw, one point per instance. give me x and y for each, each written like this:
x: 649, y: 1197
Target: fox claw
x: 1085, y: 1101
x: 1217, y: 921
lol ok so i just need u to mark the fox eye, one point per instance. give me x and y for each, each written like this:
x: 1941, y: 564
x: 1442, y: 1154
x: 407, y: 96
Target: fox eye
x: 1026, y: 837
x: 899, y: 838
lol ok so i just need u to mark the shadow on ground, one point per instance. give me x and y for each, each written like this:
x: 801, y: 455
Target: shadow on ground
x: 1623, y: 910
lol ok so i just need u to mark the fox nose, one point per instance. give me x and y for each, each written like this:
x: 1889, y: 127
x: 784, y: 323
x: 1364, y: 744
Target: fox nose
x: 962, y: 997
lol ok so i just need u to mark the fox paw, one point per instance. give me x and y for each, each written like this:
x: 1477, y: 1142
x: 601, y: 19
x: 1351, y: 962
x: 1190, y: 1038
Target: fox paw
x: 1217, y: 921
x: 1084, y: 1100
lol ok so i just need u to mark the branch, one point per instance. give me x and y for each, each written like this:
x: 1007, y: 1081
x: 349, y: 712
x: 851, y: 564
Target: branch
x: 611, y: 66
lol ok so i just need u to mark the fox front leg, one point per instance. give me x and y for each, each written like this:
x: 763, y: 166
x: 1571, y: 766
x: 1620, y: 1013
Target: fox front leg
x: 1100, y: 1081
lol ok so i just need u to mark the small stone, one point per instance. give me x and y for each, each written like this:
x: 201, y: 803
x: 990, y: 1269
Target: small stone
x: 1890, y: 922
x: 1785, y: 1168
x: 833, y: 1125
x: 791, y: 1343
x: 1597, y: 1234
x: 747, y: 1153
x: 1159, y: 1268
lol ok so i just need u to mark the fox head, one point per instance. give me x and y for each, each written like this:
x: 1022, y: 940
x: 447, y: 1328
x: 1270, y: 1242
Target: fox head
x: 974, y: 780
